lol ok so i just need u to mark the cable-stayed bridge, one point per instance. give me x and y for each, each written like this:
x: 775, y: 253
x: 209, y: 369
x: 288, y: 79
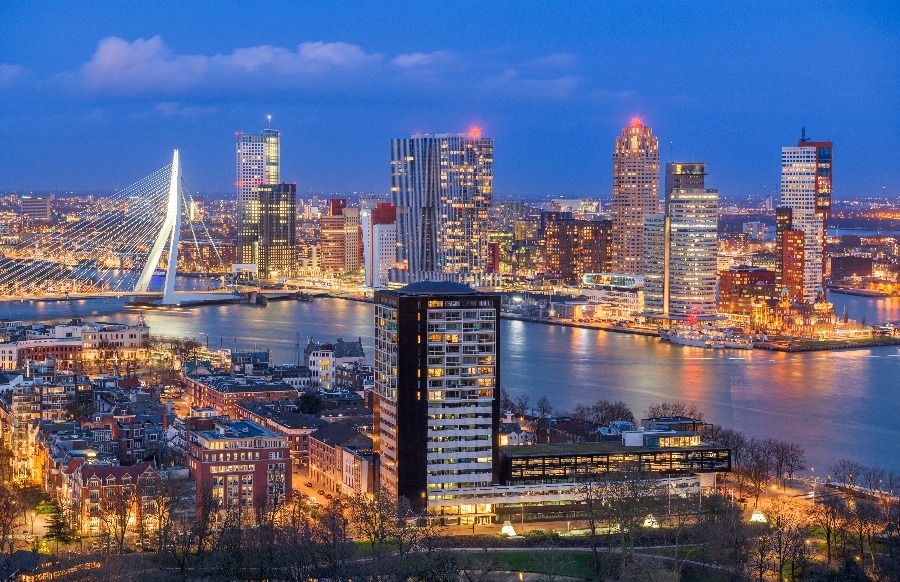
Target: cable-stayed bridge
x: 116, y: 248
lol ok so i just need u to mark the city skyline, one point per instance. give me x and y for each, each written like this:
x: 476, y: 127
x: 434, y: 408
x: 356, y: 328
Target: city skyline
x: 339, y: 92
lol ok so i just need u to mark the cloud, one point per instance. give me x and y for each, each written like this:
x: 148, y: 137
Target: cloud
x: 128, y: 68
x: 513, y: 83
x: 420, y: 60
x: 9, y: 74
x: 172, y: 109
x: 148, y: 66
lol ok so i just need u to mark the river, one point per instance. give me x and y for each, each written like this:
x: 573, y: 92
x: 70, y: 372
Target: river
x: 837, y: 404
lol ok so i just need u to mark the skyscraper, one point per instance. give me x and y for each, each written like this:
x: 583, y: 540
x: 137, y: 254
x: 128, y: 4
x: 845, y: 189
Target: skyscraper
x: 437, y: 404
x: 806, y: 191
x: 635, y: 194
x: 258, y: 162
x: 680, y: 246
x: 442, y: 186
x: 268, y: 236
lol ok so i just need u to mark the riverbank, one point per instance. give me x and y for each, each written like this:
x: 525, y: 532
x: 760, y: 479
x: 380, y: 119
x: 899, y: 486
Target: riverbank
x: 828, y: 345
x: 786, y: 346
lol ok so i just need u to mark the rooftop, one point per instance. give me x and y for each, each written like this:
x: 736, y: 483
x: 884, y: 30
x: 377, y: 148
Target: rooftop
x: 235, y: 429
x: 598, y: 448
x: 435, y: 288
x: 228, y: 384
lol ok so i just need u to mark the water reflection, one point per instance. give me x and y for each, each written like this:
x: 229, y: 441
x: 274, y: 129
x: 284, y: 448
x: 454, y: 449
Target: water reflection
x: 835, y: 403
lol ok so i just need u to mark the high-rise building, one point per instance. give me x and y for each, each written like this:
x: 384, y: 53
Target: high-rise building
x: 684, y: 176
x: 268, y: 234
x: 635, y: 194
x: 437, y: 378
x: 258, y: 163
x: 340, y: 238
x: 575, y: 247
x: 442, y: 186
x: 680, y: 247
x: 353, y: 245
x: 379, y: 226
x: 806, y: 190
x: 790, y: 255
x: 36, y: 206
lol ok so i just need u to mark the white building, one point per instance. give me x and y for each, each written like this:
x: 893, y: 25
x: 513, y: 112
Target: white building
x: 616, y: 296
x: 324, y: 359
x: 806, y: 190
x: 681, y: 251
x: 379, y: 227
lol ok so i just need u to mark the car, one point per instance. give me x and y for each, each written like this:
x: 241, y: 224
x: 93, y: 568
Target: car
x: 329, y: 496
x: 309, y: 484
x: 321, y: 492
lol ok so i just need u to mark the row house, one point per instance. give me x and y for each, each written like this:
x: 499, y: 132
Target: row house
x: 102, y: 496
x: 225, y: 393
x: 238, y: 463
x: 341, y: 460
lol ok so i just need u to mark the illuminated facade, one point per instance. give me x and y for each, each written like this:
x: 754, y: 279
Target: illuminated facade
x: 258, y: 162
x: 635, y: 194
x: 806, y: 191
x: 268, y: 234
x: 680, y: 247
x: 575, y: 247
x: 379, y: 226
x: 739, y: 285
x: 437, y: 374
x: 442, y: 186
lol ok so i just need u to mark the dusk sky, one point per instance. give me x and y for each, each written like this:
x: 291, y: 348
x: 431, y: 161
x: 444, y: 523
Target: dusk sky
x: 96, y: 98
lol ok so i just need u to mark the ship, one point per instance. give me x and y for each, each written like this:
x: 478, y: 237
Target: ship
x: 705, y: 337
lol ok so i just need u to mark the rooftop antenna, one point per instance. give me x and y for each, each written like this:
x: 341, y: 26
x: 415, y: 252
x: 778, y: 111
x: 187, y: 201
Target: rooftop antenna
x: 269, y: 119
x: 803, y: 137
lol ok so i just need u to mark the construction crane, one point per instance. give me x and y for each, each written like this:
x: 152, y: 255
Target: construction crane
x: 76, y: 319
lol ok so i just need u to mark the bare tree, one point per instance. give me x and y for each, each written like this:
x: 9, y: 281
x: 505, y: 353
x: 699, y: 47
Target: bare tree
x: 674, y: 408
x: 827, y: 514
x: 520, y: 405
x: 604, y: 411
x: 10, y: 517
x: 758, y: 466
x: 117, y: 512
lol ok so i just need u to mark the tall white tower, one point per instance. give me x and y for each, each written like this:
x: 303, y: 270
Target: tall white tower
x: 806, y: 190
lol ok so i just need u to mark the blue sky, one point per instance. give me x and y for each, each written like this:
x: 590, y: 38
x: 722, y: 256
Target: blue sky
x: 93, y: 97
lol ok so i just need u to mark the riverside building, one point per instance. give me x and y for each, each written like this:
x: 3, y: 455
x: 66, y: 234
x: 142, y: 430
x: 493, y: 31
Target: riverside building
x: 680, y: 247
x: 635, y: 194
x: 442, y: 187
x: 806, y: 192
x: 258, y: 157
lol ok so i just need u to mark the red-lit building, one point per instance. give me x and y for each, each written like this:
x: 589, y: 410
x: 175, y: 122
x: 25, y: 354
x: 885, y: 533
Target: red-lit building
x: 790, y: 254
x: 739, y: 285
x: 238, y: 463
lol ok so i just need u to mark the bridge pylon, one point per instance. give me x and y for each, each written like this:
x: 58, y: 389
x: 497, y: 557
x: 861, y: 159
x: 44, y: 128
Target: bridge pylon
x: 170, y: 232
